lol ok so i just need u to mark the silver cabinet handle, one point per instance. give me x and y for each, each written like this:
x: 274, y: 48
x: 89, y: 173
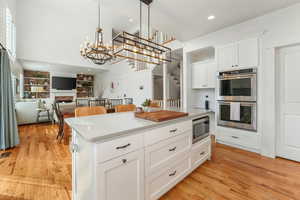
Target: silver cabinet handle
x: 235, y: 137
x: 202, y: 153
x: 173, y: 149
x: 173, y: 174
x: 124, y: 161
x: 123, y: 147
x: 174, y: 130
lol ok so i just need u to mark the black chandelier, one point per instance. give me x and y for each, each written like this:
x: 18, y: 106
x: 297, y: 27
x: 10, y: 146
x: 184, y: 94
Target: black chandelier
x: 139, y: 48
x: 96, y: 51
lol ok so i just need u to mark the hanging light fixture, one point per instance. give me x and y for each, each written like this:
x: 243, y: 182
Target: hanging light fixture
x: 138, y: 49
x: 97, y: 52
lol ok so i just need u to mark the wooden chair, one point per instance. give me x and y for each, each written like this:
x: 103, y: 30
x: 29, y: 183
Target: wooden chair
x: 128, y: 101
x: 125, y: 108
x: 60, y: 120
x: 97, y: 102
x: 82, y: 102
x: 87, y: 111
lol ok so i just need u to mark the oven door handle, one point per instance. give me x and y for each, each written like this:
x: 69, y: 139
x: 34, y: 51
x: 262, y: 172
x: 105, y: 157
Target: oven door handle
x: 236, y: 77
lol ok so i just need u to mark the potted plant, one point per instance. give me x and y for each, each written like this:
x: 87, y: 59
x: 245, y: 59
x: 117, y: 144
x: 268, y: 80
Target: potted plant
x: 146, y: 104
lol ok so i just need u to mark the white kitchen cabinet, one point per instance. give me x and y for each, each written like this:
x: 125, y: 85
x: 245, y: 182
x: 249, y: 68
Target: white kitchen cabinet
x: 244, y: 53
x: 204, y: 75
x: 248, y: 53
x: 122, y: 178
x: 227, y: 57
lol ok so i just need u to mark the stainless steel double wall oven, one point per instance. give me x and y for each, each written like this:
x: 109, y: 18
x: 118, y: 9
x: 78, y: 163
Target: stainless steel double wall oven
x: 237, y: 99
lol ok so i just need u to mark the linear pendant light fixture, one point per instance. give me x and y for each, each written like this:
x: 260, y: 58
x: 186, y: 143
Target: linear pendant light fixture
x: 97, y: 52
x: 140, y: 49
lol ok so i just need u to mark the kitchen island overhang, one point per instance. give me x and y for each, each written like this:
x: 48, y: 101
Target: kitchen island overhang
x: 119, y: 156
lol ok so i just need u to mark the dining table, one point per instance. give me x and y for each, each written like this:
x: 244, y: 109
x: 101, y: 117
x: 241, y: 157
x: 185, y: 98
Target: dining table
x: 68, y: 111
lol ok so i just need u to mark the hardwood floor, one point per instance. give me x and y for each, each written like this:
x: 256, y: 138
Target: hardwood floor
x: 40, y: 169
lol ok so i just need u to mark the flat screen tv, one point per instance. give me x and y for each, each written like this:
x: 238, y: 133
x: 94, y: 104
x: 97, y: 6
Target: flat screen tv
x: 63, y: 83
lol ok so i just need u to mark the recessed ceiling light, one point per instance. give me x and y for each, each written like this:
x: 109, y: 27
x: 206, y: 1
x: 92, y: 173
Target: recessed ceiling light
x: 130, y: 20
x: 211, y: 17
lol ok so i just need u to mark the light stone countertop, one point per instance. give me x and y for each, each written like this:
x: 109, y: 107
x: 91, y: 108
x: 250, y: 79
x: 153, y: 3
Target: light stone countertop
x: 105, y: 127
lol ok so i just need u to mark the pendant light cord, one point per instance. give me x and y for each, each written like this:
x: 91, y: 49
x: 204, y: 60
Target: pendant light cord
x: 140, y: 18
x: 99, y: 14
x: 141, y: 14
x: 149, y: 22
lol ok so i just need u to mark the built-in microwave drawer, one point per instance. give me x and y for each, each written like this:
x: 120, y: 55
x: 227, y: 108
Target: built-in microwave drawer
x: 161, y: 154
x: 115, y: 148
x: 159, y: 134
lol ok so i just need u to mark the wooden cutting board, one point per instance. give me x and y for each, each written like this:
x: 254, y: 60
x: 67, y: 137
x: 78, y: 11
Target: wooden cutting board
x: 160, y: 116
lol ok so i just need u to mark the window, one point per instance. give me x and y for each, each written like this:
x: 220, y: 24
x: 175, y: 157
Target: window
x: 10, y: 34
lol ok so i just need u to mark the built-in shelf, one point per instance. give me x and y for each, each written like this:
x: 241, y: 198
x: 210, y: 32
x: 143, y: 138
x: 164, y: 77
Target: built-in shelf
x: 36, y: 84
x: 85, y: 85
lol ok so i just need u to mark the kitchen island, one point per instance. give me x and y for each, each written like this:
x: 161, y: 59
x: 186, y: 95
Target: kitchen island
x: 120, y: 157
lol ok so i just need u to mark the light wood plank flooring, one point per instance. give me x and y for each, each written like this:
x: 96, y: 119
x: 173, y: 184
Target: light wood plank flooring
x: 40, y: 169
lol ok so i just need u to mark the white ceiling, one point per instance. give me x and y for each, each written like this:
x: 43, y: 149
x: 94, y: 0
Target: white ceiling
x: 187, y: 19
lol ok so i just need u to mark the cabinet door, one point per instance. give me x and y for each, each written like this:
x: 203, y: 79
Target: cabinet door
x: 122, y: 178
x: 211, y: 75
x: 199, y: 76
x: 248, y: 53
x: 227, y: 57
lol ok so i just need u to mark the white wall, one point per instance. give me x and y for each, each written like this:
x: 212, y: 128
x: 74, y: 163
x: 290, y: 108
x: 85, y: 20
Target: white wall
x: 276, y: 29
x: 198, y: 98
x: 52, y: 31
x: 127, y: 82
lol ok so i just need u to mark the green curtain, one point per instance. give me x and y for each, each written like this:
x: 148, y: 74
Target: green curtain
x: 9, y: 136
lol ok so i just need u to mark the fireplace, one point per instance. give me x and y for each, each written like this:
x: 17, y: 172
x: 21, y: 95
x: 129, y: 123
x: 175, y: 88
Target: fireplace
x: 66, y: 99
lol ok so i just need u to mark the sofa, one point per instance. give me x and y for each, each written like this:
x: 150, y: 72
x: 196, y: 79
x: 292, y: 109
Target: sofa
x: 26, y: 111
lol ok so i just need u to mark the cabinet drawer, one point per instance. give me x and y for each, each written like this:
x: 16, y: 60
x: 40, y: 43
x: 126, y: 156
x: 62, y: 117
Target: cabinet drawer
x: 164, y: 180
x: 201, y: 152
x: 159, y: 134
x: 112, y: 149
x: 244, y: 138
x: 160, y: 155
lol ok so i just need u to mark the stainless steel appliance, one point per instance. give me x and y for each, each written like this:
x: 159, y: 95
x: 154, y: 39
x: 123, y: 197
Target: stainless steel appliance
x: 246, y: 119
x: 237, y: 85
x: 200, y: 129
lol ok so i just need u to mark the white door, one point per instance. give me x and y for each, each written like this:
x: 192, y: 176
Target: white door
x: 288, y: 140
x: 122, y: 178
x: 248, y: 53
x: 227, y: 57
